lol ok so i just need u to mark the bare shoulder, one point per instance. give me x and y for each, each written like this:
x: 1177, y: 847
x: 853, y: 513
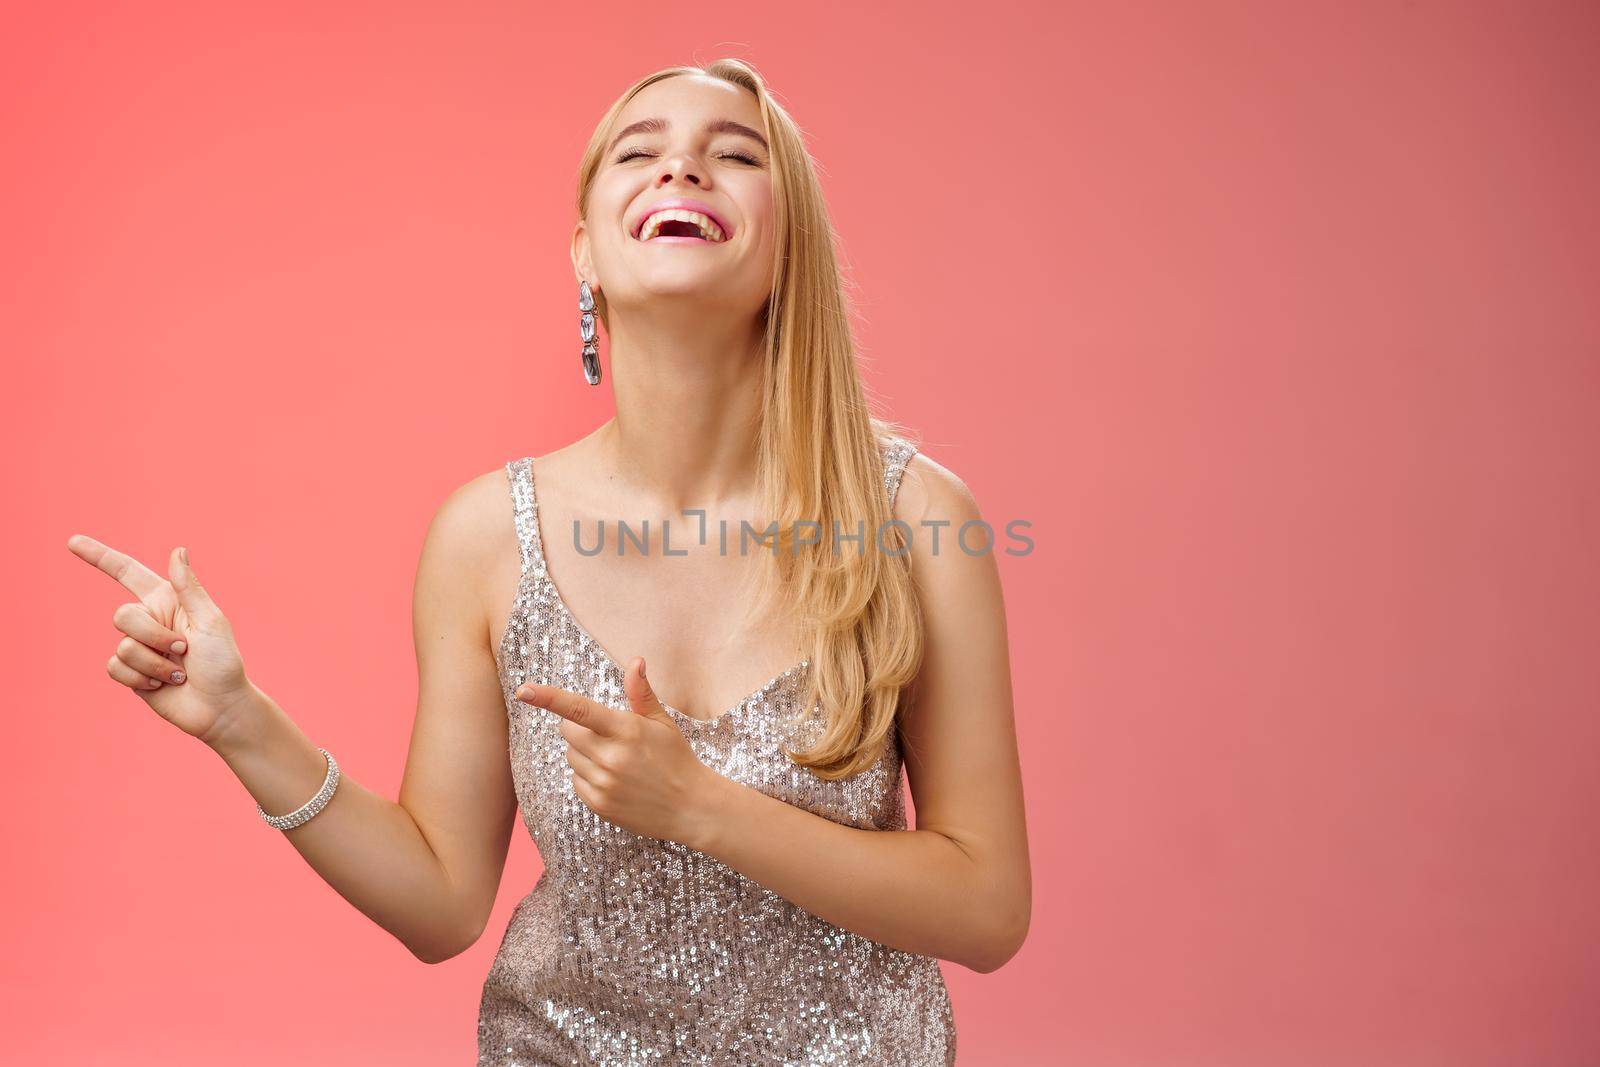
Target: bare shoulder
x: 951, y: 551
x: 476, y: 517
x: 931, y: 491
x: 471, y: 539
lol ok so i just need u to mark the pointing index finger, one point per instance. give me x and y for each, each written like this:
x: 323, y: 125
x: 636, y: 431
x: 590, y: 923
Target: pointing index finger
x: 574, y: 708
x: 133, y: 575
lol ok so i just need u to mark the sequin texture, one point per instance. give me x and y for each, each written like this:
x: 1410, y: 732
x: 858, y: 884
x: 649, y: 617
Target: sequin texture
x: 630, y: 950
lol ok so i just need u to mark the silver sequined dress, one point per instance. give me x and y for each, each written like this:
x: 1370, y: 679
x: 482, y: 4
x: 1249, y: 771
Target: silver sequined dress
x: 630, y: 950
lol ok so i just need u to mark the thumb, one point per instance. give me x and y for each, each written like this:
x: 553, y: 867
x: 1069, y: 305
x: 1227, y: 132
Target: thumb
x: 641, y: 696
x: 191, y: 594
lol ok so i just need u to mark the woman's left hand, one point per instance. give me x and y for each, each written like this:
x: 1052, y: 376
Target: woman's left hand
x: 635, y: 768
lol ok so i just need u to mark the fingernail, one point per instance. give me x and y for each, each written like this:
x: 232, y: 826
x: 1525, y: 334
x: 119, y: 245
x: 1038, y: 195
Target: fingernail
x: 180, y: 647
x: 177, y: 676
x: 641, y: 668
x: 183, y: 554
x: 155, y: 683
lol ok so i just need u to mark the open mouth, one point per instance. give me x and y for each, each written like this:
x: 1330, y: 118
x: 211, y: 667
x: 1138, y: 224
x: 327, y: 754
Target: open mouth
x: 677, y: 225
x: 683, y: 230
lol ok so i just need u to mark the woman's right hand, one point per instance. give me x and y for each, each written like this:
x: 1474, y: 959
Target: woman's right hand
x: 178, y: 652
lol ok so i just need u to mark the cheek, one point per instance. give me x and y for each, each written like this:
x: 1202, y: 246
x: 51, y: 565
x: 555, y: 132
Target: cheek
x: 756, y: 211
x: 760, y: 211
x: 605, y: 213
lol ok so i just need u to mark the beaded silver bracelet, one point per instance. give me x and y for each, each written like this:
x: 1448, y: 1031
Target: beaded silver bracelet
x: 304, y: 812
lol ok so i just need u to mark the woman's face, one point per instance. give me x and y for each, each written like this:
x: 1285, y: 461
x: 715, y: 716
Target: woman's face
x: 702, y: 141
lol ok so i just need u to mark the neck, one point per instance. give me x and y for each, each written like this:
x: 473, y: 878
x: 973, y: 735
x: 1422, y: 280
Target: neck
x: 687, y: 384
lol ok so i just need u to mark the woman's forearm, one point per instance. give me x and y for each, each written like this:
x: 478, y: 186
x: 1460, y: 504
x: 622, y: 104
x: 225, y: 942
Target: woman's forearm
x: 915, y: 890
x: 368, y: 848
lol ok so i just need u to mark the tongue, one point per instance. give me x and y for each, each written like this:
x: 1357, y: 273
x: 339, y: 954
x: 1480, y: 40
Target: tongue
x: 678, y: 228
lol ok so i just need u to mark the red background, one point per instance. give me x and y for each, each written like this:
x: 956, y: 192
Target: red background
x: 1276, y: 321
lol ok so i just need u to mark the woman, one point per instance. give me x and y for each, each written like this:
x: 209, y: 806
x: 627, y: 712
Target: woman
x: 718, y: 885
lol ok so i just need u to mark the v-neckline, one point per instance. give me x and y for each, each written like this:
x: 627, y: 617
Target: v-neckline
x: 541, y: 572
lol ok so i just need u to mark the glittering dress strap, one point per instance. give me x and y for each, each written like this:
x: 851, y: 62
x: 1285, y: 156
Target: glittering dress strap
x: 897, y: 453
x: 526, y: 508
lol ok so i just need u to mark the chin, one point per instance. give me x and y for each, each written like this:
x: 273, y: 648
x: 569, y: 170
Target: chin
x: 678, y: 287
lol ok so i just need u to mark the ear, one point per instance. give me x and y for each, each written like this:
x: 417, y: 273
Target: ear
x: 582, y: 265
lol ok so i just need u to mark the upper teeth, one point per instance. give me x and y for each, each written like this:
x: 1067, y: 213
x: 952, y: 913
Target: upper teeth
x: 708, y: 228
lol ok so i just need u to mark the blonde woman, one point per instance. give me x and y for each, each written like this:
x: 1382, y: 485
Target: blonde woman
x: 704, y: 733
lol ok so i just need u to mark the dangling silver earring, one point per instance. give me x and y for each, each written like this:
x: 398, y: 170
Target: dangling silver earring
x: 591, y: 348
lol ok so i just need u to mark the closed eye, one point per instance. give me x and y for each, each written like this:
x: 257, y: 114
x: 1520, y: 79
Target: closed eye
x: 732, y: 153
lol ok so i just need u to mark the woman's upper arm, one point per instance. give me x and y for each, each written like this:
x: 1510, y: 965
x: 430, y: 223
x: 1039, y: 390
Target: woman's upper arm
x: 958, y: 733
x: 457, y: 784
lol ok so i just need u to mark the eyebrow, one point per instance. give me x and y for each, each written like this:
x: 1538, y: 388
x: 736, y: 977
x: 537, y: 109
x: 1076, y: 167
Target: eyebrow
x: 658, y: 125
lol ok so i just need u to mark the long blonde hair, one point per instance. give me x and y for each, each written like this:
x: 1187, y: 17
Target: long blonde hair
x: 819, y: 460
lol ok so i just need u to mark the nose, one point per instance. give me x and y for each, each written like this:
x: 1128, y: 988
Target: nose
x: 680, y: 166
